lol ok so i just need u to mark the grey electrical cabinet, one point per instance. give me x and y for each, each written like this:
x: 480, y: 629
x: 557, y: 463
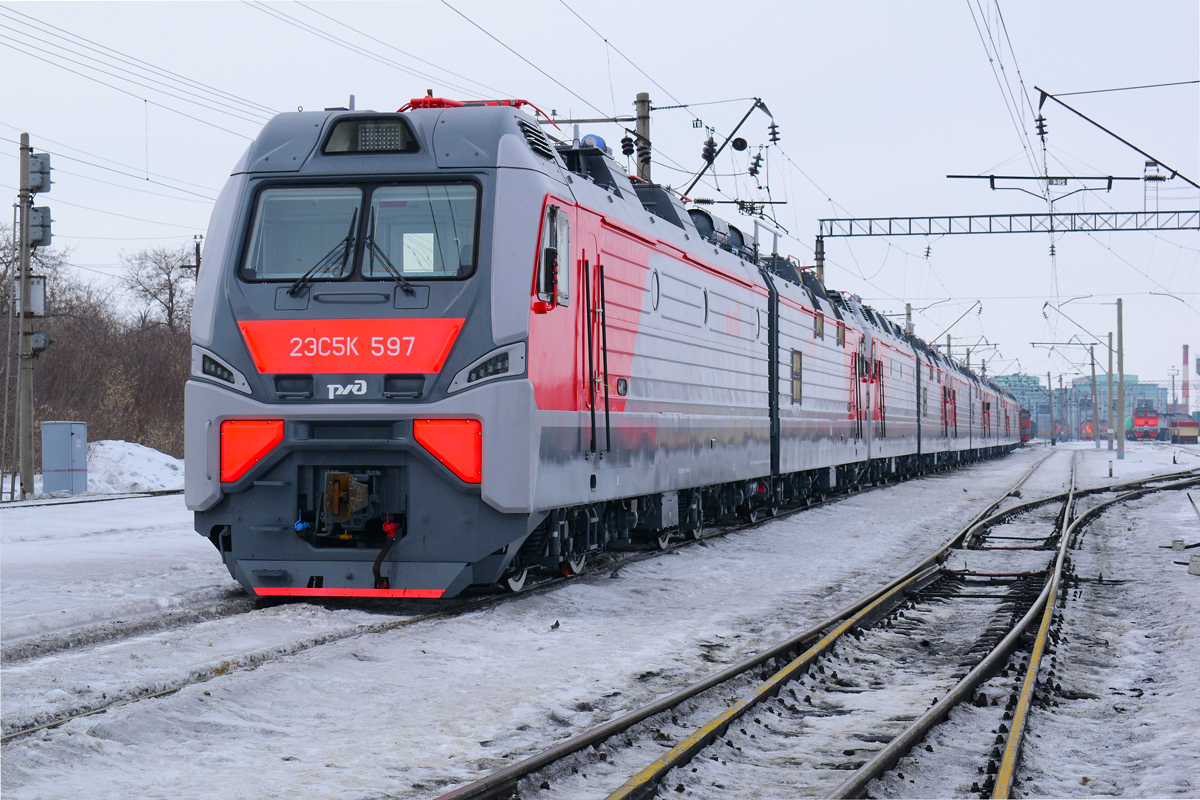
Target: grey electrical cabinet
x: 64, y: 457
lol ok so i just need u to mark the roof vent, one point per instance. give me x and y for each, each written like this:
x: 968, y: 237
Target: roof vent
x: 538, y: 142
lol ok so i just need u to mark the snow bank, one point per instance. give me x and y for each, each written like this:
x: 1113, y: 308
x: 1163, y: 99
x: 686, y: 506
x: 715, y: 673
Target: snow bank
x: 115, y: 467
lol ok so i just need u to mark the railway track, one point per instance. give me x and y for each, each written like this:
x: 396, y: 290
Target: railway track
x: 107, y: 633
x: 66, y: 501
x: 825, y: 685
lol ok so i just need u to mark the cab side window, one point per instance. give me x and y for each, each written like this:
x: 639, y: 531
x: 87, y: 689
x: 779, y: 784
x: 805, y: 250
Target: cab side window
x: 554, y: 257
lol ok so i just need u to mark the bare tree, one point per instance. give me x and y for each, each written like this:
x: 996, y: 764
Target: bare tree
x: 162, y: 282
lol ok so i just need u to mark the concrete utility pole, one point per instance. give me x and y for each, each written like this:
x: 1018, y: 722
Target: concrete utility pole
x: 1110, y: 393
x: 819, y: 260
x: 1120, y: 383
x: 947, y: 345
x: 1065, y: 408
x: 1050, y: 391
x: 1095, y: 422
x: 908, y: 323
x: 25, y: 371
x: 642, y: 128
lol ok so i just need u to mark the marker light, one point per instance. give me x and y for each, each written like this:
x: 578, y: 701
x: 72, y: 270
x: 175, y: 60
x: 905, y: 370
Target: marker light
x: 497, y: 365
x: 457, y: 443
x: 215, y: 370
x: 245, y: 442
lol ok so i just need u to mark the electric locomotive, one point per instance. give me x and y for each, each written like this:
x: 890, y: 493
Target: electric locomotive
x: 435, y: 349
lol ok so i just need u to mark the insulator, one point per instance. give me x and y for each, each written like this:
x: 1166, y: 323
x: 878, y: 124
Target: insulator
x: 756, y: 164
x: 709, y: 153
x: 643, y: 153
x: 1052, y: 249
x: 928, y: 250
x: 1041, y: 125
x: 627, y: 146
x: 773, y: 130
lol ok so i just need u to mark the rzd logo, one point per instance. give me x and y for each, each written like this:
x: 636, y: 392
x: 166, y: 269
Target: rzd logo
x: 337, y: 390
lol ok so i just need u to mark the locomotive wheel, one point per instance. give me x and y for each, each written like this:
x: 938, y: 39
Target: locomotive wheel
x: 694, y: 534
x: 576, y: 563
x: 751, y: 516
x: 516, y: 582
x: 663, y: 541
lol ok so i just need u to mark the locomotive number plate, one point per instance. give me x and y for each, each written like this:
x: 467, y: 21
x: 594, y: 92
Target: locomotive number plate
x: 350, y: 345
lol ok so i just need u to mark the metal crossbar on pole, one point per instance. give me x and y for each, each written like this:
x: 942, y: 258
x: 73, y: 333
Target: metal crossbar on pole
x: 1013, y: 223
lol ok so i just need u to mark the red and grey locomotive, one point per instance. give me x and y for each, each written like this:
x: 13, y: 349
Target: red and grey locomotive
x: 434, y: 349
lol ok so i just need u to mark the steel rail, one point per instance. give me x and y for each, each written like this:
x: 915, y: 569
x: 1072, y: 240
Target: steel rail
x: 645, y: 782
x: 856, y: 784
x: 502, y: 781
x: 1012, y: 749
x: 461, y: 608
x: 69, y: 501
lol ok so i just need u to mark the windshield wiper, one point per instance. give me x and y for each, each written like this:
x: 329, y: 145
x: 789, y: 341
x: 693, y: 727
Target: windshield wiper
x: 342, y: 248
x: 375, y: 249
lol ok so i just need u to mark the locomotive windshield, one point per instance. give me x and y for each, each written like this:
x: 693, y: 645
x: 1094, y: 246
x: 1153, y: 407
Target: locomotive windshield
x: 294, y: 229
x: 414, y: 230
x: 425, y: 231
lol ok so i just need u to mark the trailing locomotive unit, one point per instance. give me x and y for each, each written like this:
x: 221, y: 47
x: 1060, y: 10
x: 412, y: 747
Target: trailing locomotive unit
x: 431, y: 349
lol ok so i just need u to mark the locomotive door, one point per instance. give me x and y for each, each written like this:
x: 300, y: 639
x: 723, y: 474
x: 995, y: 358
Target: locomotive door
x: 880, y: 400
x: 595, y: 346
x: 860, y: 375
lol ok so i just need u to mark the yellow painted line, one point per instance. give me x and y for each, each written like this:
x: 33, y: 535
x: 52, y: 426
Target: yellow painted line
x: 689, y: 746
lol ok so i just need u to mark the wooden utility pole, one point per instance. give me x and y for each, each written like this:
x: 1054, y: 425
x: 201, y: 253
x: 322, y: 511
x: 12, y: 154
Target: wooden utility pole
x: 25, y: 371
x: 1120, y: 383
x: 1050, y: 391
x: 642, y: 128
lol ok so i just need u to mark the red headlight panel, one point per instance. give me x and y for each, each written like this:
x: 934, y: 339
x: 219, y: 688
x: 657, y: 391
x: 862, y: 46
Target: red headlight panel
x: 457, y: 443
x: 244, y: 442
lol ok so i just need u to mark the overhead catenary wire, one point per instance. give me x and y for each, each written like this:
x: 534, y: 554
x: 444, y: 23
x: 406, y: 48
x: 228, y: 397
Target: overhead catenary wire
x: 124, y: 91
x: 1010, y: 105
x: 139, y: 189
x: 40, y: 138
x: 144, y: 64
x: 1129, y: 88
x: 172, y: 92
x: 203, y: 198
x: 346, y: 45
x: 497, y: 92
x: 126, y: 216
x: 543, y: 72
x: 559, y: 83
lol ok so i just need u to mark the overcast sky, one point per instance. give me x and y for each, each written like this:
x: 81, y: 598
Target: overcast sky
x: 876, y: 103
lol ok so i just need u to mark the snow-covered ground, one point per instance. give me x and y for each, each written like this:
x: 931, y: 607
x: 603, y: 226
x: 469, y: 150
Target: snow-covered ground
x: 419, y: 709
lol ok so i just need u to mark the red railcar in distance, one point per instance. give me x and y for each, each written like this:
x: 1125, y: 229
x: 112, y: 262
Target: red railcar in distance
x: 1026, y: 426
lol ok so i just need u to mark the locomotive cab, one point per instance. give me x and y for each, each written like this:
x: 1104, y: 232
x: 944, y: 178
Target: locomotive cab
x: 356, y: 373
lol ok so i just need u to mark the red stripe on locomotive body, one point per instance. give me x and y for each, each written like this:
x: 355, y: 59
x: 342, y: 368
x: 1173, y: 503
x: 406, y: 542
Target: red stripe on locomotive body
x: 302, y: 591
x: 558, y: 336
